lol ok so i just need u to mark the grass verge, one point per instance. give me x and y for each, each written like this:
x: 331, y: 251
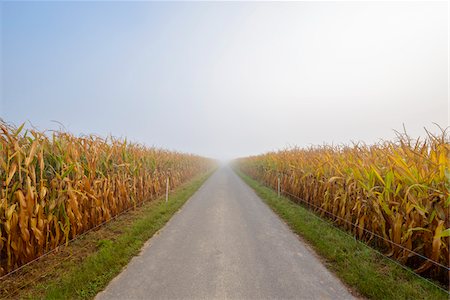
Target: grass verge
x: 360, y: 267
x: 84, y: 277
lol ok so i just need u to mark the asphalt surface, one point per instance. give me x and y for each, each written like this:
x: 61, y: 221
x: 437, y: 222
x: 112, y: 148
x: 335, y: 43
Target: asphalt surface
x: 225, y: 243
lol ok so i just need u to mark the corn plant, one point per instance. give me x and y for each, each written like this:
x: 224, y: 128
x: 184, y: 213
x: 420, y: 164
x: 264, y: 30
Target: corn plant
x: 55, y: 187
x: 394, y: 195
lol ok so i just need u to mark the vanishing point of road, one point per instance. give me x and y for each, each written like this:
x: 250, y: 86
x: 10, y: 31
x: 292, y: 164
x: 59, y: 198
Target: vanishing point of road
x: 225, y: 243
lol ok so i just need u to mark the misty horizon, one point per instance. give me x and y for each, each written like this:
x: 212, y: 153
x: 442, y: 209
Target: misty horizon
x: 227, y: 80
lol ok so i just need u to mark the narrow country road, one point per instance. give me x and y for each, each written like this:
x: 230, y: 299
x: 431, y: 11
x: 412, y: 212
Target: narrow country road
x: 225, y: 243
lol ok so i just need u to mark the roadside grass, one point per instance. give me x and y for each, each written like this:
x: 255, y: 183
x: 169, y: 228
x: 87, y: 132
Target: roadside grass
x: 360, y: 267
x: 84, y: 277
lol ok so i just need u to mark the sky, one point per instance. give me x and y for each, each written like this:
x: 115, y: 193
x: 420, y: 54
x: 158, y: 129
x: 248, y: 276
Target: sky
x: 226, y: 79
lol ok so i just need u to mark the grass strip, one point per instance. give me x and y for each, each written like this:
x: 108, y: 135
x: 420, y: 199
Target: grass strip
x: 84, y: 280
x: 359, y: 266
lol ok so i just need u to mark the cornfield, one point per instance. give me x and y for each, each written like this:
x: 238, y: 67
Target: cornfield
x: 56, y: 187
x: 397, y: 190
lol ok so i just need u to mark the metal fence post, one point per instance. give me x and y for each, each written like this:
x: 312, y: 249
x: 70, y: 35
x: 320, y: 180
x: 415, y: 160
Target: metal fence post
x: 167, y: 189
x: 279, y: 186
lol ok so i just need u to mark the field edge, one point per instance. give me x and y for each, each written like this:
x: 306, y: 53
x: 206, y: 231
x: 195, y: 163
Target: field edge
x: 360, y: 267
x: 83, y: 280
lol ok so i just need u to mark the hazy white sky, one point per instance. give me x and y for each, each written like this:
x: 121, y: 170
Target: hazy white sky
x: 227, y: 79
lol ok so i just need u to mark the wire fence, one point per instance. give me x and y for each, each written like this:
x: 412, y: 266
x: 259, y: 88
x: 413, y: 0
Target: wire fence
x: 54, y: 269
x: 33, y: 280
x: 284, y: 192
x: 14, y: 292
x: 267, y: 184
x: 369, y: 232
x: 71, y: 240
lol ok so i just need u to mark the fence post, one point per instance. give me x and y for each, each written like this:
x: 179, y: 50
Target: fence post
x: 279, y: 187
x: 167, y: 189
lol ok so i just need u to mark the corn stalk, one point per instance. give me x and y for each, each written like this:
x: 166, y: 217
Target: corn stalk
x: 53, y: 188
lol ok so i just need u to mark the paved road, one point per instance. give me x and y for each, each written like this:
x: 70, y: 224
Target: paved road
x: 225, y: 243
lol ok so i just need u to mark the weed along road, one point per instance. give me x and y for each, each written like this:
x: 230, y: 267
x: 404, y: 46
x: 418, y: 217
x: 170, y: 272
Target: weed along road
x: 225, y: 243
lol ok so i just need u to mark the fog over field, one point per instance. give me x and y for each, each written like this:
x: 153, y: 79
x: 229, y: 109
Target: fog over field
x: 226, y: 79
